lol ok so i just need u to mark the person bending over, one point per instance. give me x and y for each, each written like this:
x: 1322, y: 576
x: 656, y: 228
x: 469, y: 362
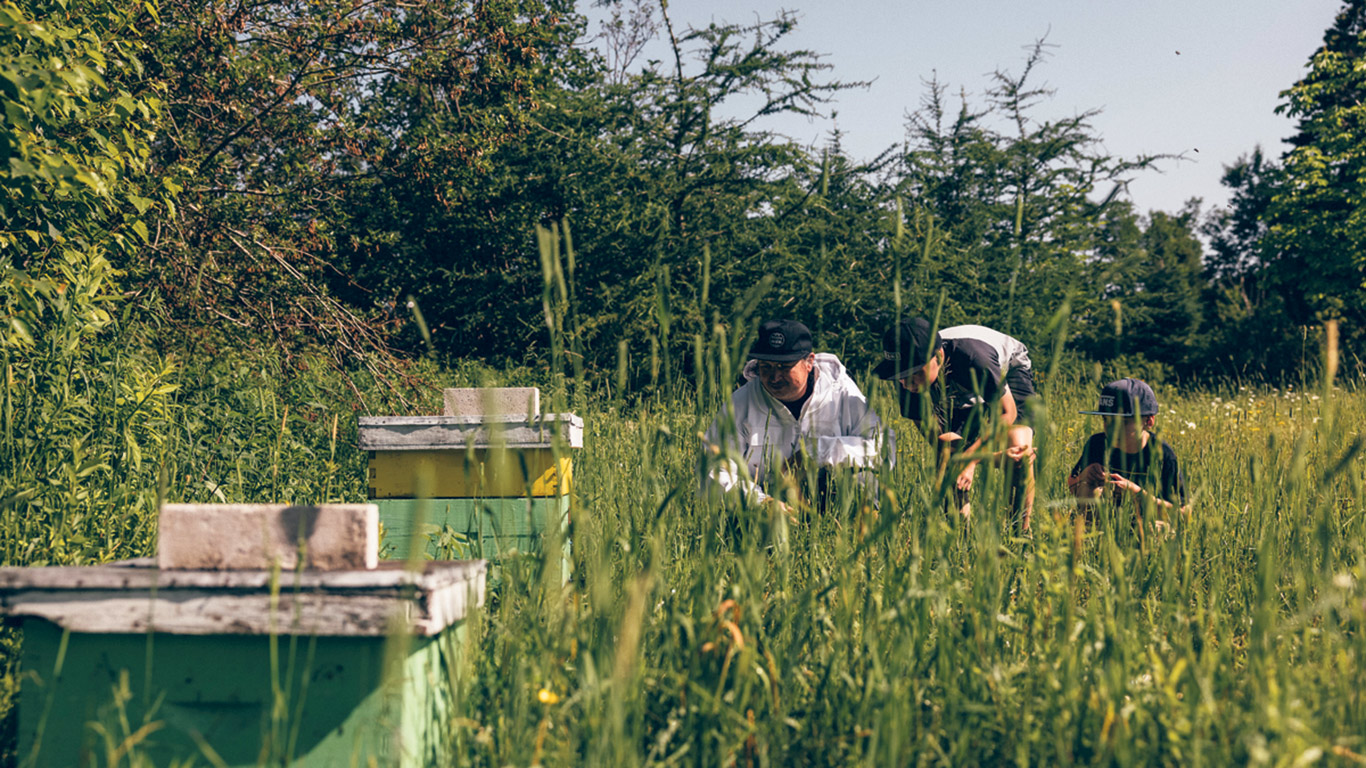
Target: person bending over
x: 960, y: 385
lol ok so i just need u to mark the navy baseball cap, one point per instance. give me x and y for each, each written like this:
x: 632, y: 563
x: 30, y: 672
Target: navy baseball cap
x: 781, y: 341
x: 1125, y: 398
x: 906, y: 347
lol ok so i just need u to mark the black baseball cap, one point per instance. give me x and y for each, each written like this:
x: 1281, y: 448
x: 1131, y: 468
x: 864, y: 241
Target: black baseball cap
x: 1125, y: 398
x: 781, y: 341
x: 906, y: 347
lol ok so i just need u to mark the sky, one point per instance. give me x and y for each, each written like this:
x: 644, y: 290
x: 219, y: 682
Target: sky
x: 1198, y: 78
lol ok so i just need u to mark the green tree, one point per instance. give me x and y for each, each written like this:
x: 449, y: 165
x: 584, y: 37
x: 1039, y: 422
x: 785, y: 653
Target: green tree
x: 1147, y: 313
x: 1014, y: 201
x: 1164, y: 312
x: 77, y: 117
x: 651, y: 169
x: 1235, y: 231
x: 283, y: 115
x: 833, y: 258
x: 1237, y: 303
x: 1315, y: 245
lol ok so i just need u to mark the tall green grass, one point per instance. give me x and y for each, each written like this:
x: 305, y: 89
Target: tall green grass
x: 717, y: 634
x: 907, y: 637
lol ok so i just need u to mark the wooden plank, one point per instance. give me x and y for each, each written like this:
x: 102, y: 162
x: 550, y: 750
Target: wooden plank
x: 388, y: 577
x: 416, y: 433
x: 476, y: 473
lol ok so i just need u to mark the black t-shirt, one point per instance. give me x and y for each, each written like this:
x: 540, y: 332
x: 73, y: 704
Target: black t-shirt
x: 795, y: 407
x: 969, y: 381
x: 1154, y: 467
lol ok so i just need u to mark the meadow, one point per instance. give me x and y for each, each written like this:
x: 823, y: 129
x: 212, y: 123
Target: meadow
x: 902, y: 636
x: 879, y: 634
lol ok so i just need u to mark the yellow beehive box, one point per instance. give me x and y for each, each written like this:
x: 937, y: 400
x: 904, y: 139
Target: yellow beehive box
x: 453, y: 457
x: 464, y: 474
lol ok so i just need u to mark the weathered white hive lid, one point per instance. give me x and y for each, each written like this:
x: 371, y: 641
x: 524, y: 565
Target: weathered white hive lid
x: 425, y: 433
x: 136, y: 597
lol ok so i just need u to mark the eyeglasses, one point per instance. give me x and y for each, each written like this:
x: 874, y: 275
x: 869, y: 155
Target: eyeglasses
x: 771, y: 369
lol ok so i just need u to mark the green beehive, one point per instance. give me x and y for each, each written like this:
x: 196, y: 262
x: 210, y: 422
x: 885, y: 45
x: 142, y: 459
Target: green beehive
x: 484, y: 480
x: 313, y: 668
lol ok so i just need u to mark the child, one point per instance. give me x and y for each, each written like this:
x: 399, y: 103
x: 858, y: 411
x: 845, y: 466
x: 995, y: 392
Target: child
x: 970, y: 378
x: 1126, y: 457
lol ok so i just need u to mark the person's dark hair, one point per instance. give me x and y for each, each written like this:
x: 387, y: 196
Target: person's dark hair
x: 906, y: 347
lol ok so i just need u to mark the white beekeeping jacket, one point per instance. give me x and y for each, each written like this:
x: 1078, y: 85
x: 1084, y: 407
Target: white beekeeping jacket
x: 837, y: 427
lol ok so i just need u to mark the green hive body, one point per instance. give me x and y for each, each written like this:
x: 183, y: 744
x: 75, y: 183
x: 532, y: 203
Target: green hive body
x: 380, y: 692
x: 485, y: 487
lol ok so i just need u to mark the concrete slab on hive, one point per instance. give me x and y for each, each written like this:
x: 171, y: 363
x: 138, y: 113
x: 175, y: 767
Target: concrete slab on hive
x: 332, y: 537
x: 474, y: 403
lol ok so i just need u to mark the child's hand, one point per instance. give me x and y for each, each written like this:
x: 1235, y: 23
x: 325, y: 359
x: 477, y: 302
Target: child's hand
x: 1020, y: 452
x: 1093, y: 476
x: 1123, y: 483
x: 774, y: 505
x: 964, y: 481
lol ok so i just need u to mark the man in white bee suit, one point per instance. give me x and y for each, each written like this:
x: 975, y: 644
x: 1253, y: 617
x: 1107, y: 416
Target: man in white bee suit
x: 795, y: 407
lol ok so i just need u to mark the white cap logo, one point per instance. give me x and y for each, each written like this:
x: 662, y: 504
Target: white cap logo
x: 776, y: 340
x: 1107, y: 401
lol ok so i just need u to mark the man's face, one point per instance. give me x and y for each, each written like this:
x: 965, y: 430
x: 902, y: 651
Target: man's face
x: 786, y: 381
x: 927, y: 375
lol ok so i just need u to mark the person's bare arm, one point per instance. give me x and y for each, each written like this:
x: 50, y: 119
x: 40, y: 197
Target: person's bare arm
x: 1009, y: 411
x: 1136, y: 491
x: 1008, y: 415
x: 964, y: 479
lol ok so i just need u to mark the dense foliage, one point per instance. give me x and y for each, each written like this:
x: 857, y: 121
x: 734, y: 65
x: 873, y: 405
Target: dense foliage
x: 1315, y: 247
x: 339, y: 166
x: 79, y: 118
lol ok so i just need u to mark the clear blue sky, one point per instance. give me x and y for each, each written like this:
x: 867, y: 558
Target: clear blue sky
x: 1216, y: 96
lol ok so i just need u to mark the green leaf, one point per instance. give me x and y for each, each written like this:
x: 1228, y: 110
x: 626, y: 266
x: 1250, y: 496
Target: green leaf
x: 22, y: 330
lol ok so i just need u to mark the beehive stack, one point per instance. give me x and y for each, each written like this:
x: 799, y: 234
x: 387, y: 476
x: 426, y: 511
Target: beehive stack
x: 489, y: 478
